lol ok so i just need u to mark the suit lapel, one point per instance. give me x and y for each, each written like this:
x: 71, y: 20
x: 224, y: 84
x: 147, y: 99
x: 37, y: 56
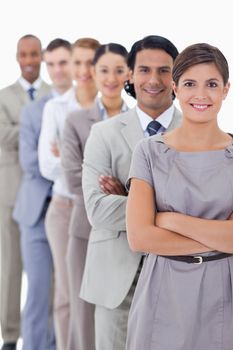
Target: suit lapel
x: 20, y: 93
x: 176, y: 120
x: 43, y: 90
x: 23, y: 96
x: 131, y: 128
x: 93, y: 113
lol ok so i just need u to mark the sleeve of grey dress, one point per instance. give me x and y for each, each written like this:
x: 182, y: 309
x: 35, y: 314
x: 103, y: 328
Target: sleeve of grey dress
x: 140, y: 165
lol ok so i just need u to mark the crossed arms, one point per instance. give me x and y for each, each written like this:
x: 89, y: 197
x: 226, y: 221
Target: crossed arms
x: 171, y: 233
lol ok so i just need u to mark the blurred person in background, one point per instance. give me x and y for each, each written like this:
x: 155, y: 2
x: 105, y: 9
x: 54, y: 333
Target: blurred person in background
x: 110, y: 71
x: 28, y: 87
x: 83, y: 94
x: 32, y: 202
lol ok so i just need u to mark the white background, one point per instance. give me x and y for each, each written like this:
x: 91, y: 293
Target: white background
x: 124, y: 21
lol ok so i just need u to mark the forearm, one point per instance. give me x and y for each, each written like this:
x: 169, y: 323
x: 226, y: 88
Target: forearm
x: 50, y: 166
x: 106, y: 211
x: 155, y: 240
x: 217, y: 234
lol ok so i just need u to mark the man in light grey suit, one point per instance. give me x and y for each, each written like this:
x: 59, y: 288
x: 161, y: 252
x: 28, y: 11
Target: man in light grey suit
x: 32, y: 202
x: 112, y: 269
x: 12, y: 98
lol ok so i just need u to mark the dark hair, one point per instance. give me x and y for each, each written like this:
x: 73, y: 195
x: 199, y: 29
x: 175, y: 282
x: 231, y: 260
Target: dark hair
x: 197, y: 54
x: 86, y: 43
x: 148, y: 42
x: 57, y: 43
x: 28, y: 36
x: 111, y: 47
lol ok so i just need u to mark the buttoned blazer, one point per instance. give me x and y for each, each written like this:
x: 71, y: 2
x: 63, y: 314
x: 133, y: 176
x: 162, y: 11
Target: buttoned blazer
x: 110, y: 264
x: 77, y: 128
x: 12, y: 99
x: 34, y: 189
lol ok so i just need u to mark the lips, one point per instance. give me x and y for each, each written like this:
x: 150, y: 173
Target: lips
x: 111, y: 87
x: 29, y: 69
x: 200, y: 107
x: 154, y: 92
x: 86, y: 78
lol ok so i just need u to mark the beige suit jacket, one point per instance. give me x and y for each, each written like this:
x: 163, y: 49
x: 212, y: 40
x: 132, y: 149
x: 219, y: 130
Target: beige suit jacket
x: 77, y: 128
x: 110, y: 265
x: 12, y: 99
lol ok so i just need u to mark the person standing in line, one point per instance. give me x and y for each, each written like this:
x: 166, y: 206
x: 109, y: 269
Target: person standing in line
x: 179, y: 211
x: 110, y: 71
x: 111, y: 269
x: 32, y: 202
x: 12, y: 98
x: 59, y: 210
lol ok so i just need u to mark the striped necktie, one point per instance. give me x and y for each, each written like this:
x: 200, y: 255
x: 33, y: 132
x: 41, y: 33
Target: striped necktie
x: 153, y: 127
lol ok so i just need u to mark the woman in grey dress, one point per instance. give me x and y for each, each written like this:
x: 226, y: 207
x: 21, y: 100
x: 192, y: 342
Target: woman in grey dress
x: 184, y: 297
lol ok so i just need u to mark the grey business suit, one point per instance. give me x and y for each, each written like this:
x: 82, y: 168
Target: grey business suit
x: 12, y: 98
x: 111, y: 266
x: 76, y: 131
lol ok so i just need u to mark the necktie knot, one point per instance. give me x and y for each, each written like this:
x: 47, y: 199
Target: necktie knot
x: 153, y: 127
x: 31, y: 92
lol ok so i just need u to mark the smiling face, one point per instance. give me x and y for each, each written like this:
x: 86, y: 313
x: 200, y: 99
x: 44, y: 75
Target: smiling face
x: 29, y: 57
x: 58, y: 66
x: 110, y: 72
x: 152, y: 79
x: 81, y: 59
x: 200, y: 92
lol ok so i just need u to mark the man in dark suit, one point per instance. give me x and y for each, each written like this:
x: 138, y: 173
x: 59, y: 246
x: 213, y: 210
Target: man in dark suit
x: 31, y: 205
x: 12, y: 98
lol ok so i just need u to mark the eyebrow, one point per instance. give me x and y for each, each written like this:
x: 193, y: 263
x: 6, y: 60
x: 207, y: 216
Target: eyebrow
x: 192, y: 80
x: 105, y: 65
x: 160, y: 67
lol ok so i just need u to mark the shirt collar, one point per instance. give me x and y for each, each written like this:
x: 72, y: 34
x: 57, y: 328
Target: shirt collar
x: 26, y: 85
x: 164, y: 119
x: 103, y: 112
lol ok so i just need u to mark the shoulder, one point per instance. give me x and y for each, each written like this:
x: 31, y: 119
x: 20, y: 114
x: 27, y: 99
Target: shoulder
x: 152, y: 145
x: 63, y: 99
x: 45, y: 85
x: 114, y: 124
x: 79, y: 114
x: 36, y: 106
x: 8, y: 90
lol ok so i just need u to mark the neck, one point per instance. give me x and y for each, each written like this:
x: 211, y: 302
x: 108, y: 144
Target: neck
x: 86, y: 96
x: 62, y: 90
x: 30, y: 81
x: 154, y: 112
x: 201, y: 136
x: 112, y: 105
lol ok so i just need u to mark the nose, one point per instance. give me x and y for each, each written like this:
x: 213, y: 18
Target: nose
x: 84, y: 69
x: 200, y: 94
x: 28, y: 60
x: 111, y: 77
x: 154, y: 78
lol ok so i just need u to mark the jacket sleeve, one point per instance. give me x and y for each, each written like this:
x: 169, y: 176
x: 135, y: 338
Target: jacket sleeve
x: 72, y: 158
x: 50, y: 166
x: 28, y: 143
x: 9, y: 130
x: 103, y: 211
